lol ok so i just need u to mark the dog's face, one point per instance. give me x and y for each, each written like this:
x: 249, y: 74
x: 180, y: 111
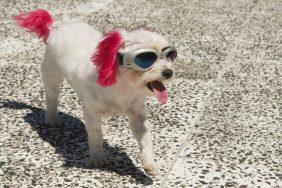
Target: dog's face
x: 149, y: 82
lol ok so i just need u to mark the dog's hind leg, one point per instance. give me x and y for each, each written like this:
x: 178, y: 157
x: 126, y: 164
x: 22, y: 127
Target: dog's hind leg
x: 52, y: 79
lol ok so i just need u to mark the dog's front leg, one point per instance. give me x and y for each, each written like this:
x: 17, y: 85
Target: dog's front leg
x: 95, y: 139
x: 140, y: 128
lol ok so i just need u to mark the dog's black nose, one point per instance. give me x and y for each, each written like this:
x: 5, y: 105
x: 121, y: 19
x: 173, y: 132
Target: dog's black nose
x: 167, y: 73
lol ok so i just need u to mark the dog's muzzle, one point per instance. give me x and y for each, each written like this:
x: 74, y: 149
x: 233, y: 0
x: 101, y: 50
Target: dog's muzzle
x: 167, y: 74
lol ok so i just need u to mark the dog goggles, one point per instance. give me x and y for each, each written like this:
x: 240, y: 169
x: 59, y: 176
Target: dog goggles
x: 143, y: 59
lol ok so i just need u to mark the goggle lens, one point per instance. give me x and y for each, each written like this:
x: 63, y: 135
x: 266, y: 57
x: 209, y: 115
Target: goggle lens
x: 145, y: 60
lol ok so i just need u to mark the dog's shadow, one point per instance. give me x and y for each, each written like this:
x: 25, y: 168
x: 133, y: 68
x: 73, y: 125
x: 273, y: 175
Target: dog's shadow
x: 71, y: 143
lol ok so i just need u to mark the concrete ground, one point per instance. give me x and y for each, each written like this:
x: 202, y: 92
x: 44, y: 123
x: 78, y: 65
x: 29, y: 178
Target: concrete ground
x: 222, y: 126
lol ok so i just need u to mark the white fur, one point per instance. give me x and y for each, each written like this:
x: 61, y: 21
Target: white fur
x: 68, y: 57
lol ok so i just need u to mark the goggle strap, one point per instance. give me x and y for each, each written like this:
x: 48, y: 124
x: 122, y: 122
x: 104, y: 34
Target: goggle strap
x: 120, y: 59
x: 165, y: 48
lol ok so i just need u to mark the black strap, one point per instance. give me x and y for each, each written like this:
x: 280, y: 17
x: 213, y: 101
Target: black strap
x: 165, y: 48
x: 120, y: 59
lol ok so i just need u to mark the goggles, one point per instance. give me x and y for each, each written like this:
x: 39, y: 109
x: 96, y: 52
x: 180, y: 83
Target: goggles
x: 143, y: 59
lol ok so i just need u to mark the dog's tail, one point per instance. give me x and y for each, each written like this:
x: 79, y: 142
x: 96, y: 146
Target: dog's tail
x: 38, y: 22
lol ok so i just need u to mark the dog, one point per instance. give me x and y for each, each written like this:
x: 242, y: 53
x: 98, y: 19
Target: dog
x: 111, y: 73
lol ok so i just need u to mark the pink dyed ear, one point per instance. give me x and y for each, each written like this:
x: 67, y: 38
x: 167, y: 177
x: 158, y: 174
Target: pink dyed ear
x: 105, y: 58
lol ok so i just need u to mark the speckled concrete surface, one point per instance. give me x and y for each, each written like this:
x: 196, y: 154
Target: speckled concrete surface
x: 222, y: 126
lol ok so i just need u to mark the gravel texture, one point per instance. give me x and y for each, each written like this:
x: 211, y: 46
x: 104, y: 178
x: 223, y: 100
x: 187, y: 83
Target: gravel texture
x: 222, y: 126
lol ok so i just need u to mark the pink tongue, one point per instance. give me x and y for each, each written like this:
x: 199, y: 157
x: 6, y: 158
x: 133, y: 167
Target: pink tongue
x: 160, y: 91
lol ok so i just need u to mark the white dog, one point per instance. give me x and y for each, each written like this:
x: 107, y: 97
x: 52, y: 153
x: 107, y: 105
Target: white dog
x: 111, y: 74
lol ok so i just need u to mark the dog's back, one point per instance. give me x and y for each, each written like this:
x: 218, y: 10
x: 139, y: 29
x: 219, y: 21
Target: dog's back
x: 69, y: 51
x: 69, y: 47
x: 73, y: 40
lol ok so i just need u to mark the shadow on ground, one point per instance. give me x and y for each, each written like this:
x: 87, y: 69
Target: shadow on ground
x: 71, y: 143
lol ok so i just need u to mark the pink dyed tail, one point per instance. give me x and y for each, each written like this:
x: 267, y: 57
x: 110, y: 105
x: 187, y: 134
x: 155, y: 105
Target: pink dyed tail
x: 38, y: 22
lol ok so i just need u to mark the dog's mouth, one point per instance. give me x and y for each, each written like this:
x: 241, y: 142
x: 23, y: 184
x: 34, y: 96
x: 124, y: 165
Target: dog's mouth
x: 158, y: 88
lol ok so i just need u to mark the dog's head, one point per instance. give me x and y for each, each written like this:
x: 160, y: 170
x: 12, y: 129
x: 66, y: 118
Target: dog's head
x: 142, y: 59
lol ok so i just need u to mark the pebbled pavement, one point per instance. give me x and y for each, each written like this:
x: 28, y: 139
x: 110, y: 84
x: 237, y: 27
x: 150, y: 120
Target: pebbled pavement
x: 220, y: 128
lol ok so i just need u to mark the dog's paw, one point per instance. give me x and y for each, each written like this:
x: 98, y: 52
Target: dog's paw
x: 151, y: 169
x: 98, y: 161
x: 53, y: 122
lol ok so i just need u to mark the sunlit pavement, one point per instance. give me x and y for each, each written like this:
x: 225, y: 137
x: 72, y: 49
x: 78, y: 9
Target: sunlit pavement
x: 222, y: 125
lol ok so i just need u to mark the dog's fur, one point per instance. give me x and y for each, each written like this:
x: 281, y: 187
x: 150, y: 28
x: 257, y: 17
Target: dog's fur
x: 68, y: 56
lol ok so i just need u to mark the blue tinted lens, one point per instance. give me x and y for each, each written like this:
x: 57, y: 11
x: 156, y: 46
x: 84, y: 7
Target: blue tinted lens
x: 145, y: 60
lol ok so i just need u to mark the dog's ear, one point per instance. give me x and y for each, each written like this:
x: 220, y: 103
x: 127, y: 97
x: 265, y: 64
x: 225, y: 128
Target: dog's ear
x: 105, y: 58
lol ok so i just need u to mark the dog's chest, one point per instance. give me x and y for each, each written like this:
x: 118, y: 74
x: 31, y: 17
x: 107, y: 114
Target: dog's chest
x: 116, y: 101
x: 120, y: 105
x: 119, y: 98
